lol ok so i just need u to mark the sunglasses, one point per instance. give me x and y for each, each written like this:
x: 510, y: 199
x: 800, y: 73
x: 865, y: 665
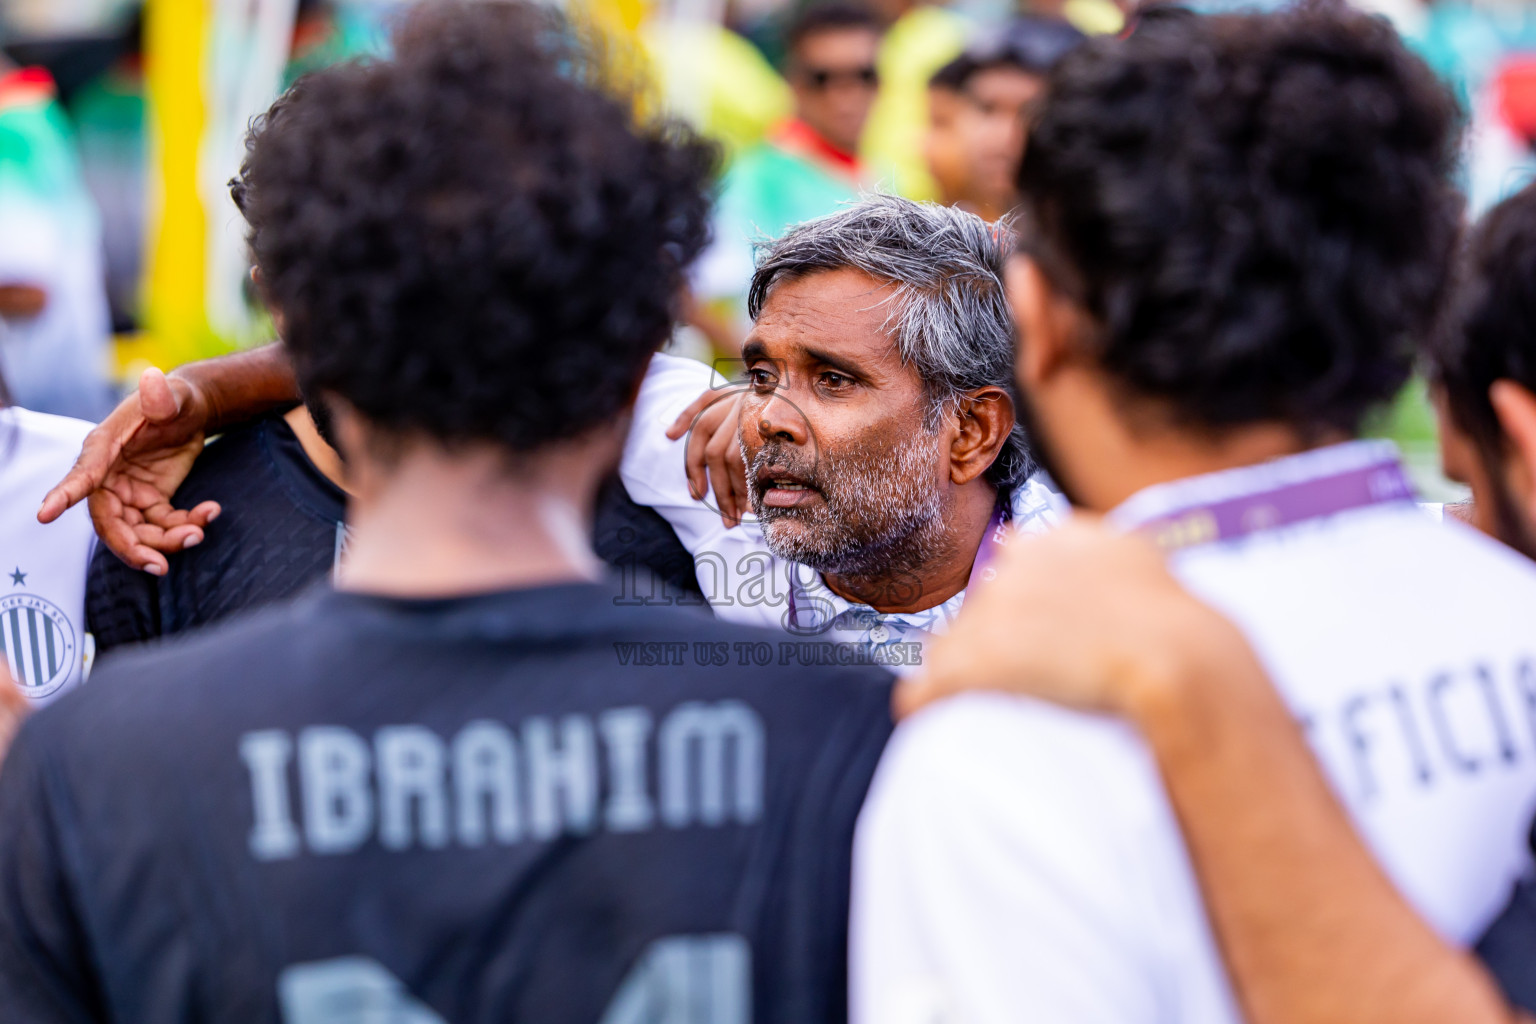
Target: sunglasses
x: 822, y: 79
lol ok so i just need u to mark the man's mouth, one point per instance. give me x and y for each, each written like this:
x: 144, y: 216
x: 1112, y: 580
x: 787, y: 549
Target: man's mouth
x: 781, y: 490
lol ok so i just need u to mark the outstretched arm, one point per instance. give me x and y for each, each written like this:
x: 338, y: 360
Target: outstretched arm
x: 132, y: 463
x: 1311, y: 928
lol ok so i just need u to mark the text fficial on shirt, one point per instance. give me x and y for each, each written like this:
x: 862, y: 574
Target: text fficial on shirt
x: 1457, y: 722
x: 494, y: 783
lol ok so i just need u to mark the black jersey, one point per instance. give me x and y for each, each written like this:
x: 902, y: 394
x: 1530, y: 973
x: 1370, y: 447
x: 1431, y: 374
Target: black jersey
x: 538, y: 805
x: 281, y: 530
x: 1508, y: 948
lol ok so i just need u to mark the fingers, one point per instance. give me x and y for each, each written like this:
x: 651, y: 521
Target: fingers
x: 163, y: 515
x: 143, y: 557
x: 13, y: 708
x: 723, y: 457
x: 204, y: 513
x: 100, y: 451
x: 695, y: 459
x: 684, y: 421
x: 86, y: 475
x: 737, y: 468
x: 158, y: 402
x: 143, y: 537
x: 112, y: 524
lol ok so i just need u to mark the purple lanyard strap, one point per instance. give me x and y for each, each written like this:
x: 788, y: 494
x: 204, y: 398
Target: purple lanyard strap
x: 1377, y: 483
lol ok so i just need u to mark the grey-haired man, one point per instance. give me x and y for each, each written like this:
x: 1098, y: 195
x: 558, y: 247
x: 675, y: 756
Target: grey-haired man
x: 877, y: 445
x: 873, y: 421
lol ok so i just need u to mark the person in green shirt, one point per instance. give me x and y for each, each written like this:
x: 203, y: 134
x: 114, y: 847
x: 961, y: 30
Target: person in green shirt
x: 807, y: 166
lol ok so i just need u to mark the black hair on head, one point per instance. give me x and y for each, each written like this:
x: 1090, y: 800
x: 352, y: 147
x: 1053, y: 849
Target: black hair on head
x: 954, y: 75
x: 1256, y: 211
x: 1027, y: 43
x: 828, y: 17
x: 471, y: 240
x: 1490, y: 332
x: 1159, y: 12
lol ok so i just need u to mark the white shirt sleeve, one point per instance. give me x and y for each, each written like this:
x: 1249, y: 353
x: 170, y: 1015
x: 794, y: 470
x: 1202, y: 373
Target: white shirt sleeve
x: 1015, y: 862
x: 652, y: 466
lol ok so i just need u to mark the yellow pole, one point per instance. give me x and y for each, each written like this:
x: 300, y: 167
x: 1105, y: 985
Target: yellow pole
x: 176, y: 32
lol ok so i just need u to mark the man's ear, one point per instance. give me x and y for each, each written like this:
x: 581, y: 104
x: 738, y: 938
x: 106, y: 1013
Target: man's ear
x: 273, y: 311
x: 1043, y: 319
x: 986, y: 416
x: 1516, y: 408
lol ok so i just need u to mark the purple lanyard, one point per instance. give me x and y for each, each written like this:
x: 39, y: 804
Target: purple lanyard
x: 997, y: 535
x: 1380, y: 482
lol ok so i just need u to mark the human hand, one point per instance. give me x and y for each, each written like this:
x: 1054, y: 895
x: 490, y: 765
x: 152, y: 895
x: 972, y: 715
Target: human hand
x: 713, y: 455
x: 13, y: 707
x: 1084, y: 617
x: 131, y: 465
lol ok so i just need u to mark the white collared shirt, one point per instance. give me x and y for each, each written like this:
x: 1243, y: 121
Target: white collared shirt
x: 1016, y: 861
x: 746, y: 582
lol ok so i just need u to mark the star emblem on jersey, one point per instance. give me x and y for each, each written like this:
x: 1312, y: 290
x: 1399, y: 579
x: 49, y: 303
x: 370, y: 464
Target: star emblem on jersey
x: 18, y: 577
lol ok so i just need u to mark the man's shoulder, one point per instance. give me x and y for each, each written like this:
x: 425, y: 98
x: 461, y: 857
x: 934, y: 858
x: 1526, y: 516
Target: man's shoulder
x: 234, y: 456
x: 995, y: 746
x: 981, y: 787
x: 1379, y: 564
x: 1048, y: 784
x: 194, y: 673
x: 1381, y: 594
x: 259, y: 471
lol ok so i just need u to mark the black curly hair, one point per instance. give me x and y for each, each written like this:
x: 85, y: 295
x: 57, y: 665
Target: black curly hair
x: 472, y: 240
x: 1256, y: 211
x: 1488, y: 336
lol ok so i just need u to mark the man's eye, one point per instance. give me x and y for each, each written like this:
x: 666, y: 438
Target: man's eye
x: 760, y: 378
x: 835, y: 380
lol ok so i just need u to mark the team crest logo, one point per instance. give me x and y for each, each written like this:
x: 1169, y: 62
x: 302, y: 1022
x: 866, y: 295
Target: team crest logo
x: 39, y: 644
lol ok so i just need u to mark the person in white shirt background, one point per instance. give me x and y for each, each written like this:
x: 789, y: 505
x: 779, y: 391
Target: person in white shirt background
x: 1311, y: 929
x: 1238, y: 228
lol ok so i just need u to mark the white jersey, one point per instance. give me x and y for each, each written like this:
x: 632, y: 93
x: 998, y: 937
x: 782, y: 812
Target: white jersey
x: 1016, y: 861
x: 42, y: 568
x: 741, y: 578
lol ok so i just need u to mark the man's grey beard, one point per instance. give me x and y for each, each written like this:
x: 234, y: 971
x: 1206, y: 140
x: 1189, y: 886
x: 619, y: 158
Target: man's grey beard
x: 883, y: 514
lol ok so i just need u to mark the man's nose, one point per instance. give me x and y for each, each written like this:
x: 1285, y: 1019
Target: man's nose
x: 777, y: 418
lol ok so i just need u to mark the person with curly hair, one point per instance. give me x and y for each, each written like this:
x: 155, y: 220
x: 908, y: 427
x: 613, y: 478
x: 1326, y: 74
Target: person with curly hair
x: 1238, y: 230
x: 1312, y: 928
x: 465, y: 783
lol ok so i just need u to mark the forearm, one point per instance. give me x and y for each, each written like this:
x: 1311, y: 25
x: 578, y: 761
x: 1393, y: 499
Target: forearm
x: 243, y: 385
x: 1312, y: 929
x: 22, y: 301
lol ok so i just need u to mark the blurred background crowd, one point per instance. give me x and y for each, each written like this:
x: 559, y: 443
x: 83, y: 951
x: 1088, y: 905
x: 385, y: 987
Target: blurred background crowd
x: 121, y: 122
